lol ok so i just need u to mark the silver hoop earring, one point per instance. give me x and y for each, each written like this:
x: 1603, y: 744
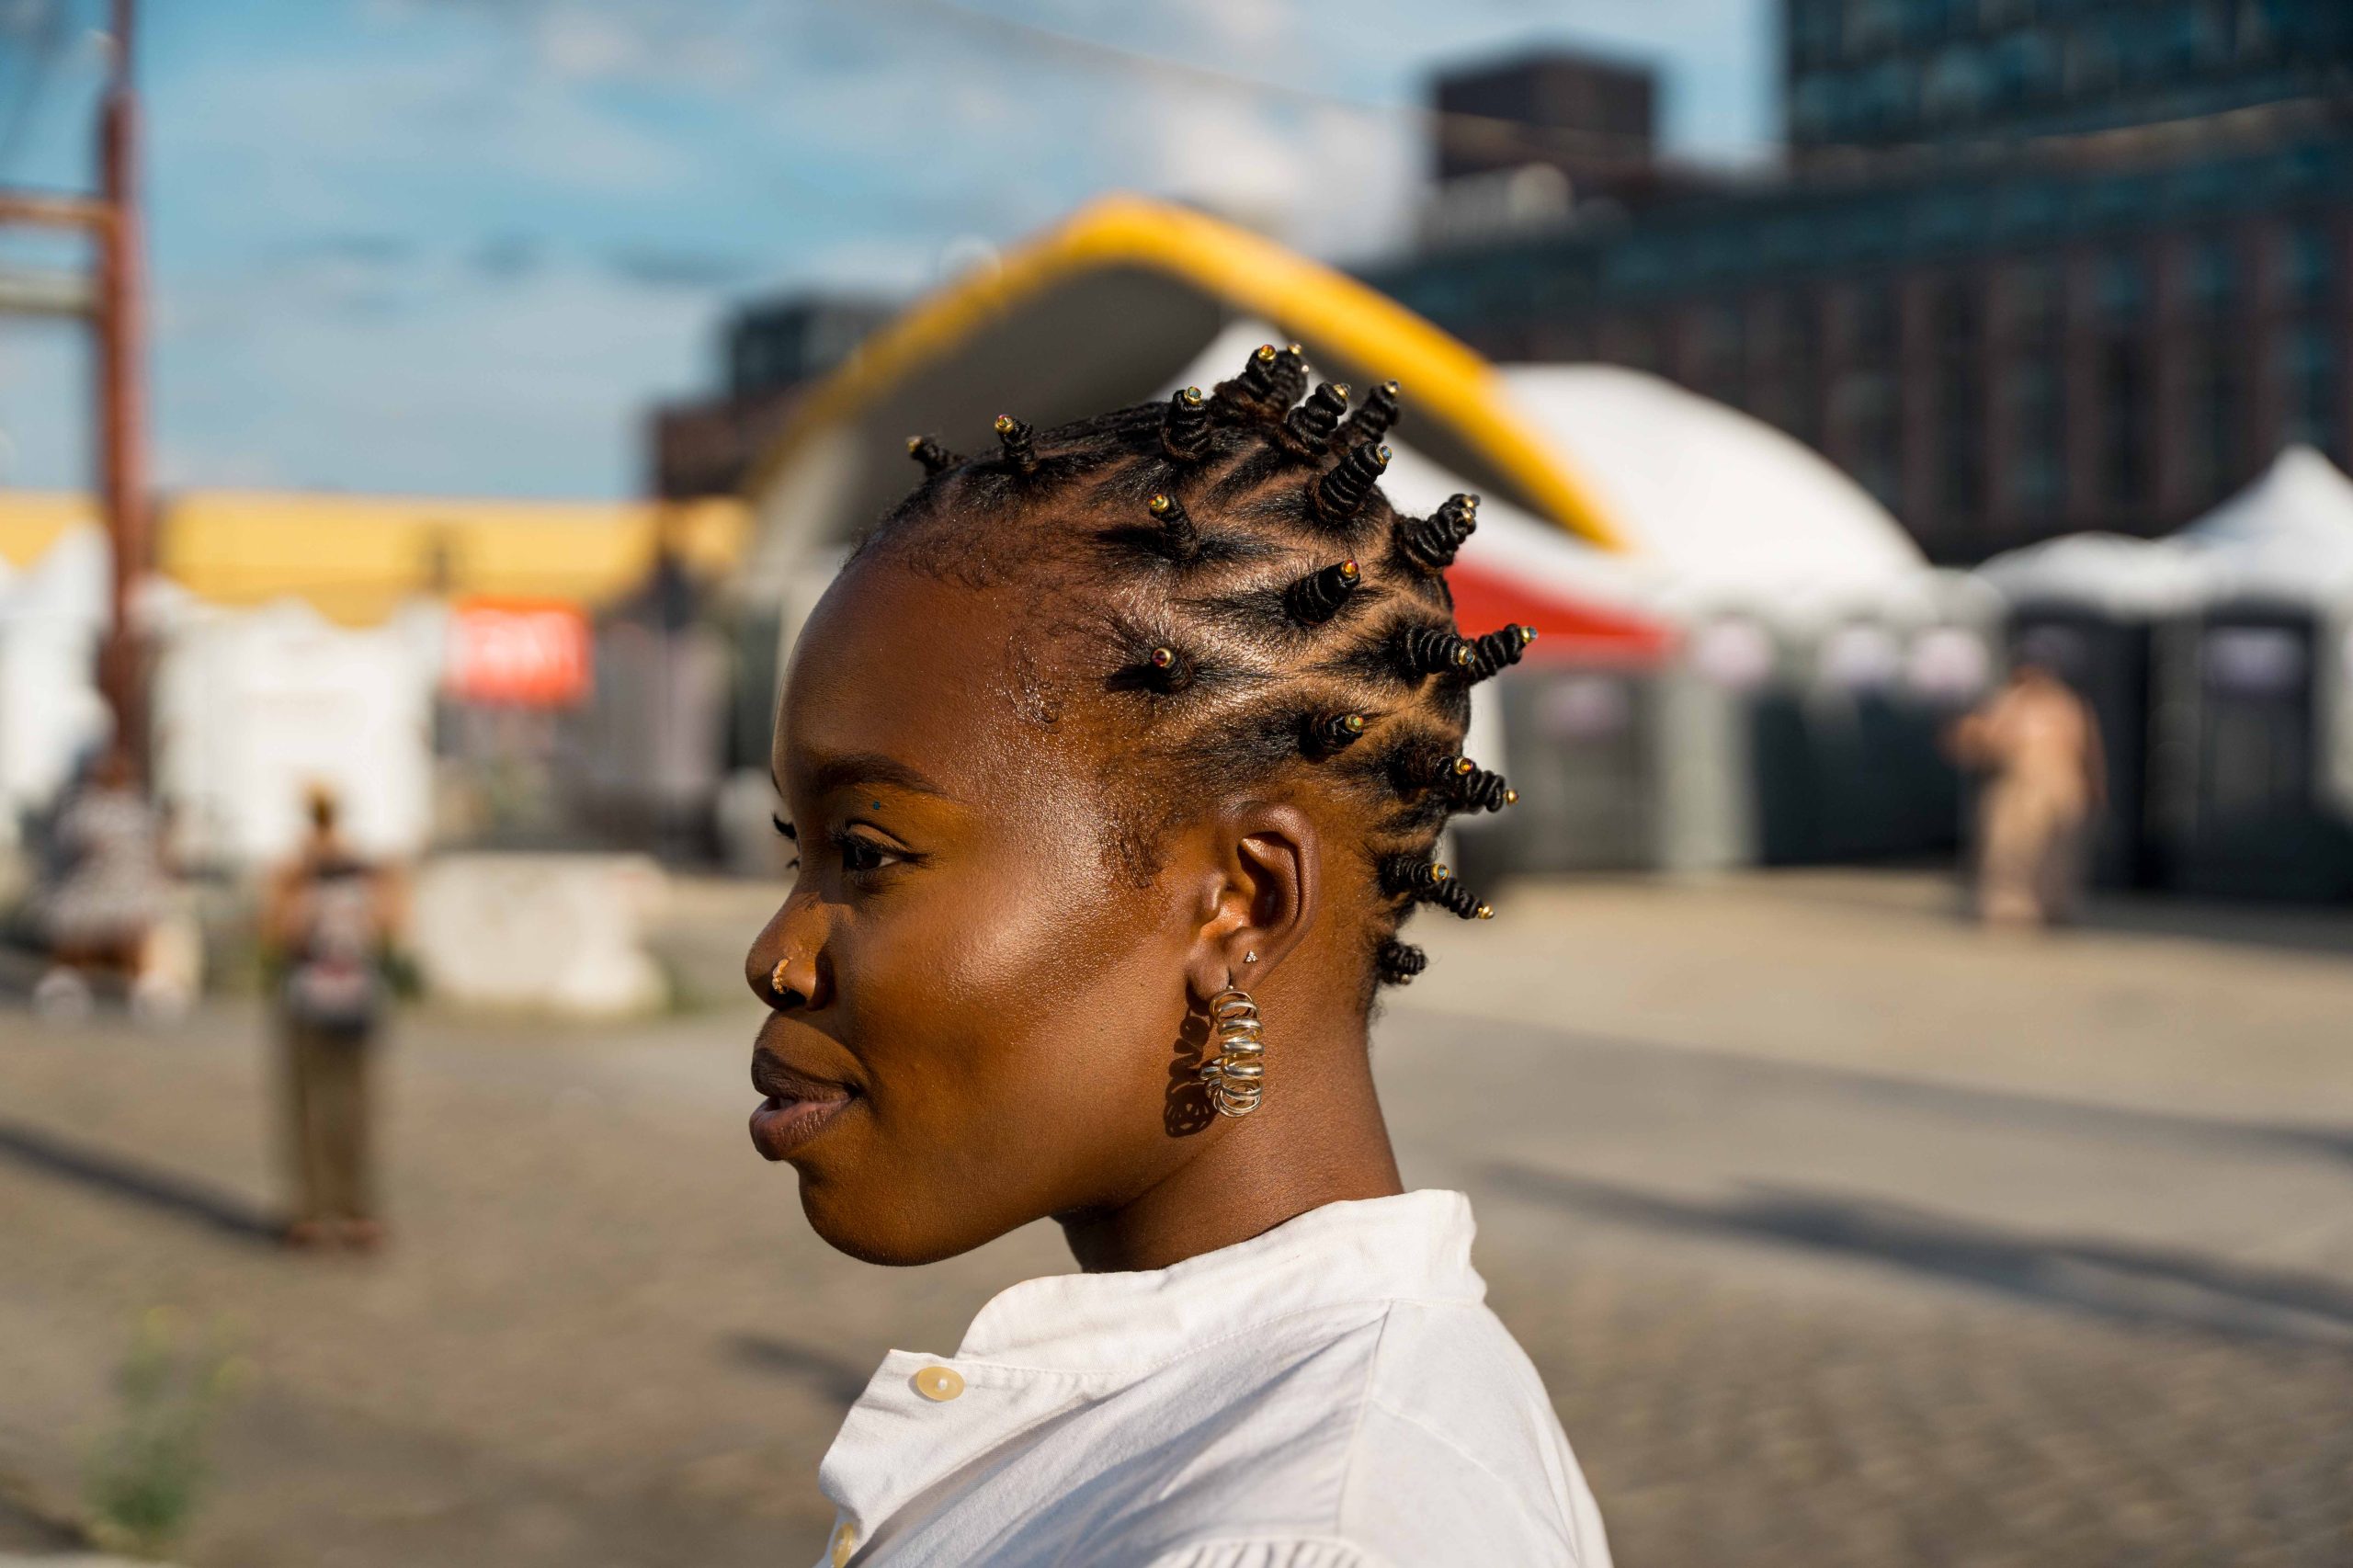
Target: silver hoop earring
x: 1236, y: 1076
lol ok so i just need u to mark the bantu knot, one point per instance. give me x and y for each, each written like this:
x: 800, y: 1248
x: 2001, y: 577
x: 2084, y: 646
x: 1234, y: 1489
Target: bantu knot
x: 1020, y: 443
x: 1176, y: 537
x: 934, y: 458
x: 1397, y: 962
x: 1432, y: 650
x: 1372, y: 422
x: 1499, y: 650
x: 1340, y: 491
x: 1289, y: 375
x: 1163, y: 670
x: 1472, y: 787
x: 1461, y: 901
x: 1253, y: 392
x: 1412, y: 874
x: 1430, y: 542
x: 1333, y: 732
x: 1311, y: 422
x: 1317, y: 597
x: 1185, y: 431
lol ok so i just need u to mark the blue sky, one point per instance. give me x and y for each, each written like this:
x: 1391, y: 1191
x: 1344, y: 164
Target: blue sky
x: 460, y: 246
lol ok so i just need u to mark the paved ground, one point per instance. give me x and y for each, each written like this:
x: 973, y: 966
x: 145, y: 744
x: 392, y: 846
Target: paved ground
x: 1843, y: 1235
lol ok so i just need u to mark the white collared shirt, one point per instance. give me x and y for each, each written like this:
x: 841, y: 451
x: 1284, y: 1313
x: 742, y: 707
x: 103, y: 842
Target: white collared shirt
x: 1333, y: 1393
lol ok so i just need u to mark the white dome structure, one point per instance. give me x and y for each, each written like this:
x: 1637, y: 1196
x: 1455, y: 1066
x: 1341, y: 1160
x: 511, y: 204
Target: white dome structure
x: 1717, y: 510
x: 2287, y: 536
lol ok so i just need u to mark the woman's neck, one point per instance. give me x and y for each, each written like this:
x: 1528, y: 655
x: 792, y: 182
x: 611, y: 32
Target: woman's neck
x: 1317, y: 1137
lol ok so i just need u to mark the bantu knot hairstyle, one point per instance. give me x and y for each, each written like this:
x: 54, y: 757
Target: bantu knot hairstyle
x: 1372, y: 421
x: 934, y: 458
x: 1472, y: 788
x: 1235, y: 594
x: 1289, y: 374
x: 1020, y: 443
x: 1431, y: 542
x: 1175, y: 536
x: 1311, y: 422
x: 1317, y: 597
x: 1184, y: 433
x: 1339, y: 493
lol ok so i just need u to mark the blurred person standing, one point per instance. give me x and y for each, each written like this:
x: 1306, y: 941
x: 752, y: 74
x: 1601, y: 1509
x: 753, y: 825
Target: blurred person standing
x: 107, y: 890
x: 327, y: 919
x: 2039, y: 745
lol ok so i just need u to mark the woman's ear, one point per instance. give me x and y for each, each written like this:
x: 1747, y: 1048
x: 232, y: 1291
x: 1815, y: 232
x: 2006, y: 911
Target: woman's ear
x: 1262, y: 899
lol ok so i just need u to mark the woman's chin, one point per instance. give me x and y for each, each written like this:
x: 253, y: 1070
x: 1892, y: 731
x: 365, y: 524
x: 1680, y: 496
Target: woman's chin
x: 871, y: 1229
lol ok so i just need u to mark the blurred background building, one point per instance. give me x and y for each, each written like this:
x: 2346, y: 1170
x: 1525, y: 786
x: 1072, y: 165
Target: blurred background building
x: 2029, y: 269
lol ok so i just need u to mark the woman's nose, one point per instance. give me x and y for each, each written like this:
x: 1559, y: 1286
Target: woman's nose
x: 783, y: 968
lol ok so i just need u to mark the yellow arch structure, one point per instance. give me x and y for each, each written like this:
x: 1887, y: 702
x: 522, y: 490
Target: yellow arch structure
x: 1445, y: 379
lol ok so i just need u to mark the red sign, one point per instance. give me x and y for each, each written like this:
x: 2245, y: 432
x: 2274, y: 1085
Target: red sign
x: 522, y: 653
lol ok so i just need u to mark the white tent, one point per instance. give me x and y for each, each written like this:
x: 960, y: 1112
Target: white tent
x: 1717, y: 507
x: 253, y: 707
x: 50, y: 713
x: 2287, y: 536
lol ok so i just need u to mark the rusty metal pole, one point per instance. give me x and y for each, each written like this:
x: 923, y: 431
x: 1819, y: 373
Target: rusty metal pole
x: 121, y: 384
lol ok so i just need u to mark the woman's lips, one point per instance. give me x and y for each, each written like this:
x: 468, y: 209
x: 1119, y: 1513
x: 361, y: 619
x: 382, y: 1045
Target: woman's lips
x: 797, y: 1109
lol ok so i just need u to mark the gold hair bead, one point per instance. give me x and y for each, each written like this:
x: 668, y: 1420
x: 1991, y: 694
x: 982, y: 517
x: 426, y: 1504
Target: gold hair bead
x: 1471, y: 503
x: 1192, y: 396
x: 1349, y: 570
x: 1441, y: 871
x: 1158, y: 505
x: 1511, y: 797
x: 1353, y: 723
x: 1163, y: 657
x: 1380, y: 455
x: 1264, y: 354
x: 1005, y: 424
x: 1463, y: 655
x: 1526, y: 635
x: 1463, y: 764
x: 1295, y: 349
x: 1484, y: 912
x: 914, y: 444
x: 1342, y: 388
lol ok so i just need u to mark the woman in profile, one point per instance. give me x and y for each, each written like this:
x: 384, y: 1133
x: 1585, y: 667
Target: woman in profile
x: 1116, y: 758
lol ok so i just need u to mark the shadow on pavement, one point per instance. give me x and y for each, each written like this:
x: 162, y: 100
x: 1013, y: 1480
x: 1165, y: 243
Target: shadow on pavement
x: 826, y: 1374
x: 164, y: 1191
x: 2150, y: 1286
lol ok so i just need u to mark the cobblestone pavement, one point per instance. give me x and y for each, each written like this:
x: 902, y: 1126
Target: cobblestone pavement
x: 1842, y: 1234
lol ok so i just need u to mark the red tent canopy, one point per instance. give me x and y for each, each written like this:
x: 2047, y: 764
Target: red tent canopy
x: 1569, y: 629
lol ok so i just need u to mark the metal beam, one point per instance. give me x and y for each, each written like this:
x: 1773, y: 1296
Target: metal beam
x: 47, y: 294
x: 57, y: 209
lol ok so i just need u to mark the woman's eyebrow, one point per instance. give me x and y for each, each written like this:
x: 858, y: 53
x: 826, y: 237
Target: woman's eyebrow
x: 870, y: 768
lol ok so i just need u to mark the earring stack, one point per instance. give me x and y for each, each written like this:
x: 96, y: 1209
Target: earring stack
x: 1236, y: 1076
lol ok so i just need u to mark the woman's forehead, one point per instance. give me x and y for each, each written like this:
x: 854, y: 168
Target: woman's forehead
x: 931, y: 676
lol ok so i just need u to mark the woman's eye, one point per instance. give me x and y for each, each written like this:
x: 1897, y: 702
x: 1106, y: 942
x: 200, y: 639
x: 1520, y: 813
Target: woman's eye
x: 862, y: 854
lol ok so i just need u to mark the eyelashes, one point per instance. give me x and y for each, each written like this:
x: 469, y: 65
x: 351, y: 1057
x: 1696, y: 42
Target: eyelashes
x: 860, y: 857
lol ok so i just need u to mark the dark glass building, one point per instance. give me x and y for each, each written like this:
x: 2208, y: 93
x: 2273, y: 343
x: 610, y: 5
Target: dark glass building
x: 2038, y: 265
x: 773, y: 351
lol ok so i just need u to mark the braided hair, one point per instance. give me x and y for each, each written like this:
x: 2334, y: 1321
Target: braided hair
x: 1225, y: 573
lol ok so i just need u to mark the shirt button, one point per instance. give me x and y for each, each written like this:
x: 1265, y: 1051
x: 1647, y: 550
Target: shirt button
x: 939, y: 1385
x: 845, y: 1542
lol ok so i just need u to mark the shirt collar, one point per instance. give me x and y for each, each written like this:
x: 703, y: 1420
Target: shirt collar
x: 1413, y: 1246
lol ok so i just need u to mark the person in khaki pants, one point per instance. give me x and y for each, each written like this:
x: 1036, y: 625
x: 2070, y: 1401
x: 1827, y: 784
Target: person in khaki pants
x: 328, y: 917
x: 2041, y: 745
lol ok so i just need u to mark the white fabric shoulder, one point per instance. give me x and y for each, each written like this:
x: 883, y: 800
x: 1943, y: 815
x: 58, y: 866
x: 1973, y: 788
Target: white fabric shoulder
x: 1296, y: 1553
